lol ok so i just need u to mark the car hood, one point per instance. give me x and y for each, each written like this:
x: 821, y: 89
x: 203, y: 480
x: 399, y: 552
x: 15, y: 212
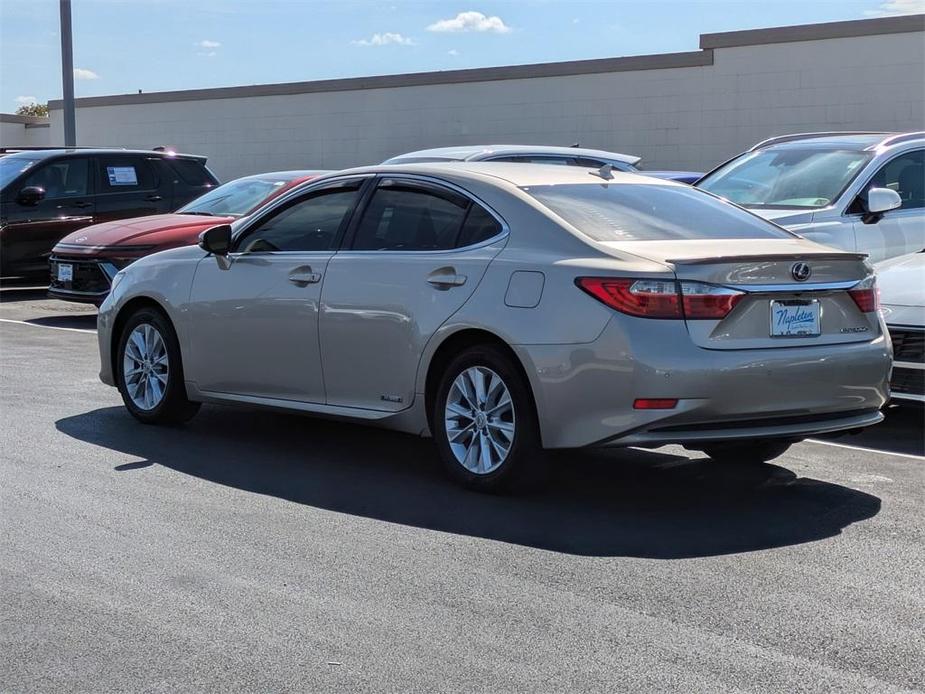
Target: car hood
x: 143, y: 234
x: 902, y: 281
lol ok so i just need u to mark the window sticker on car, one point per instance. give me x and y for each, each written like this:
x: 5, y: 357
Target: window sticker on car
x: 122, y: 175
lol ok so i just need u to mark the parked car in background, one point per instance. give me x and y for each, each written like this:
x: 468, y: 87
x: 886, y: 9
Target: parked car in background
x: 856, y: 191
x: 902, y: 295
x: 47, y: 194
x: 539, y: 154
x: 83, y: 263
x: 505, y: 308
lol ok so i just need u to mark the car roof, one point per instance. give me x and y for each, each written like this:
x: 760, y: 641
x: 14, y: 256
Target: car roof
x: 284, y: 175
x: 510, y: 172
x: 856, y: 141
x: 470, y: 152
x: 26, y: 153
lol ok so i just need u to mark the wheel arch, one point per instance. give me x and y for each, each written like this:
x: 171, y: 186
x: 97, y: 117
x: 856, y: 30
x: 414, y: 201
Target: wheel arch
x: 121, y: 318
x: 453, y: 344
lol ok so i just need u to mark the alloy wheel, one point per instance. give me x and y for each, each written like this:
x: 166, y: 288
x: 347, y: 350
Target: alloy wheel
x: 145, y: 366
x: 479, y: 418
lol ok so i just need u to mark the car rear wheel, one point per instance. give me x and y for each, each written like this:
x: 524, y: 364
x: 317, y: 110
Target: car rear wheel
x: 484, y: 420
x: 760, y: 451
x: 150, y: 375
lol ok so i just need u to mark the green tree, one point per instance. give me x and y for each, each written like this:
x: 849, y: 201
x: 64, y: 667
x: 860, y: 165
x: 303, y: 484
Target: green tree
x: 33, y: 110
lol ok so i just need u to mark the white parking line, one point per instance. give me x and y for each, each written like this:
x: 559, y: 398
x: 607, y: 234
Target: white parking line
x: 48, y: 327
x: 868, y: 450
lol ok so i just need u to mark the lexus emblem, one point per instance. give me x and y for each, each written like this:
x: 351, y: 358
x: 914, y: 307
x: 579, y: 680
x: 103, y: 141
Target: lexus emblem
x: 801, y: 272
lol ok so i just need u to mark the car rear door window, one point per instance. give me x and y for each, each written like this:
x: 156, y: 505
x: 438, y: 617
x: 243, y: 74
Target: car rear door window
x: 408, y: 217
x: 311, y: 223
x: 119, y: 174
x: 66, y: 178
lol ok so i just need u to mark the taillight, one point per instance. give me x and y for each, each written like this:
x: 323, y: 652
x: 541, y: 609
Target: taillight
x: 662, y: 298
x: 708, y: 301
x: 866, y: 295
x: 644, y: 298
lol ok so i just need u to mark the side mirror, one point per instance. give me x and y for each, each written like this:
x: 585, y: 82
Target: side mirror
x: 216, y: 240
x: 30, y: 195
x: 880, y: 200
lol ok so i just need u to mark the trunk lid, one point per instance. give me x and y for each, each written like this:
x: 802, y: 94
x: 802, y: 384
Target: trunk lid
x: 774, y: 304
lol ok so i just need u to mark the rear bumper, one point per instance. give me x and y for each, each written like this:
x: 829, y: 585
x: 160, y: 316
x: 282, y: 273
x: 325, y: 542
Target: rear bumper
x: 585, y: 393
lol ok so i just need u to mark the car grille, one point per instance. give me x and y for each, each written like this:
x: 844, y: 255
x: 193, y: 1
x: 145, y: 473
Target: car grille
x: 907, y: 381
x: 908, y: 344
x: 89, y: 277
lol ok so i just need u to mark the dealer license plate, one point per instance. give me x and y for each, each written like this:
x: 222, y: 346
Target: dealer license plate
x: 795, y: 318
x: 65, y: 272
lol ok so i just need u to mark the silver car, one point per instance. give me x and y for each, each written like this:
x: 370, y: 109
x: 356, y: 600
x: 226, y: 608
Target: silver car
x: 504, y: 308
x: 902, y: 294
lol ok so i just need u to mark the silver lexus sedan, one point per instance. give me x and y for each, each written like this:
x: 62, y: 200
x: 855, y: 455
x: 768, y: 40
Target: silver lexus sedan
x: 503, y: 309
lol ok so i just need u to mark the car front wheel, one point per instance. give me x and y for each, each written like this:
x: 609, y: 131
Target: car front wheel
x: 150, y: 375
x: 484, y: 421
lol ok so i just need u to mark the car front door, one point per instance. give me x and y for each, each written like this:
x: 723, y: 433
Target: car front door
x: 32, y: 229
x: 127, y: 186
x: 414, y: 257
x: 898, y: 231
x: 253, y: 327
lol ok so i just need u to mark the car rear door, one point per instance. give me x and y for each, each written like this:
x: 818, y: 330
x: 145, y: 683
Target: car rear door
x: 253, y: 327
x: 127, y: 186
x: 414, y: 256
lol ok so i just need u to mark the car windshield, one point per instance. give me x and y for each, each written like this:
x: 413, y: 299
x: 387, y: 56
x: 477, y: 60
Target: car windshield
x: 785, y: 178
x: 11, y: 167
x: 635, y: 212
x: 235, y: 198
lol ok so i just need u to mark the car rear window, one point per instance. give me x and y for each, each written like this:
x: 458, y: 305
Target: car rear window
x: 635, y: 212
x: 192, y: 172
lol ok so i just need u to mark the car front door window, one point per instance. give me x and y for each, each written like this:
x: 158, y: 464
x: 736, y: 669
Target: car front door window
x: 67, y: 178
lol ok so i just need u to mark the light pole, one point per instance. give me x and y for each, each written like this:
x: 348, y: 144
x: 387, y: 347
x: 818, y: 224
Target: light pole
x: 67, y: 76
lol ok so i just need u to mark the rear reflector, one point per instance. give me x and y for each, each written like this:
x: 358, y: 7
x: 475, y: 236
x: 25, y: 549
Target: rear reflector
x: 654, y: 404
x: 650, y: 298
x: 866, y: 295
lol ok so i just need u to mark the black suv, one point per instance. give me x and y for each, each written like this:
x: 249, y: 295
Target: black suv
x: 47, y: 194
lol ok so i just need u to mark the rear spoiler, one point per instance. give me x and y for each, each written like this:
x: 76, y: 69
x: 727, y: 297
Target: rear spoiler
x: 768, y: 257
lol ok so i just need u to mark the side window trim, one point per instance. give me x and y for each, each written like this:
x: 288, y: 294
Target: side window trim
x: 424, y: 183
x: 288, y: 201
x: 857, y: 194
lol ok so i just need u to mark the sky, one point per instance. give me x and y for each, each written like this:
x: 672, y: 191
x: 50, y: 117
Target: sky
x: 122, y: 46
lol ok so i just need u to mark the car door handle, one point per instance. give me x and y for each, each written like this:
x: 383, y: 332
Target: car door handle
x: 303, y: 276
x: 81, y: 204
x: 154, y: 198
x: 446, y: 277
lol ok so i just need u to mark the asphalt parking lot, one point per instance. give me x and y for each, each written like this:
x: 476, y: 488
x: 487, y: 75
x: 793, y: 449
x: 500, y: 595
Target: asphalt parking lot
x: 251, y: 551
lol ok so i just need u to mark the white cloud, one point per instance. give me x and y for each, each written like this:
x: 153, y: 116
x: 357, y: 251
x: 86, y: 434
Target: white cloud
x: 205, y: 43
x: 26, y: 100
x: 471, y: 21
x: 894, y: 7
x: 207, y: 54
x: 84, y: 74
x: 384, y: 40
x: 452, y: 51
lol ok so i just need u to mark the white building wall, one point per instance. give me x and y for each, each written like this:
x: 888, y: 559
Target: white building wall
x: 19, y: 131
x: 684, y: 117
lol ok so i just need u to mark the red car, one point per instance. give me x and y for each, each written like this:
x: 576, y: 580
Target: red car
x: 84, y: 262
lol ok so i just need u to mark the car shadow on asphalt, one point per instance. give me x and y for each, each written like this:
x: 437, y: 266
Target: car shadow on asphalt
x: 83, y: 321
x: 901, y: 431
x: 596, y: 503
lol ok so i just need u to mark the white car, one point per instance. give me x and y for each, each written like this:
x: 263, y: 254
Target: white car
x: 861, y: 192
x: 902, y: 291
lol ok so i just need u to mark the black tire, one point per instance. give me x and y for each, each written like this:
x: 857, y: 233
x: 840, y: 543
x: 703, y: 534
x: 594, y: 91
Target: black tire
x: 758, y: 451
x: 174, y: 407
x: 524, y: 453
